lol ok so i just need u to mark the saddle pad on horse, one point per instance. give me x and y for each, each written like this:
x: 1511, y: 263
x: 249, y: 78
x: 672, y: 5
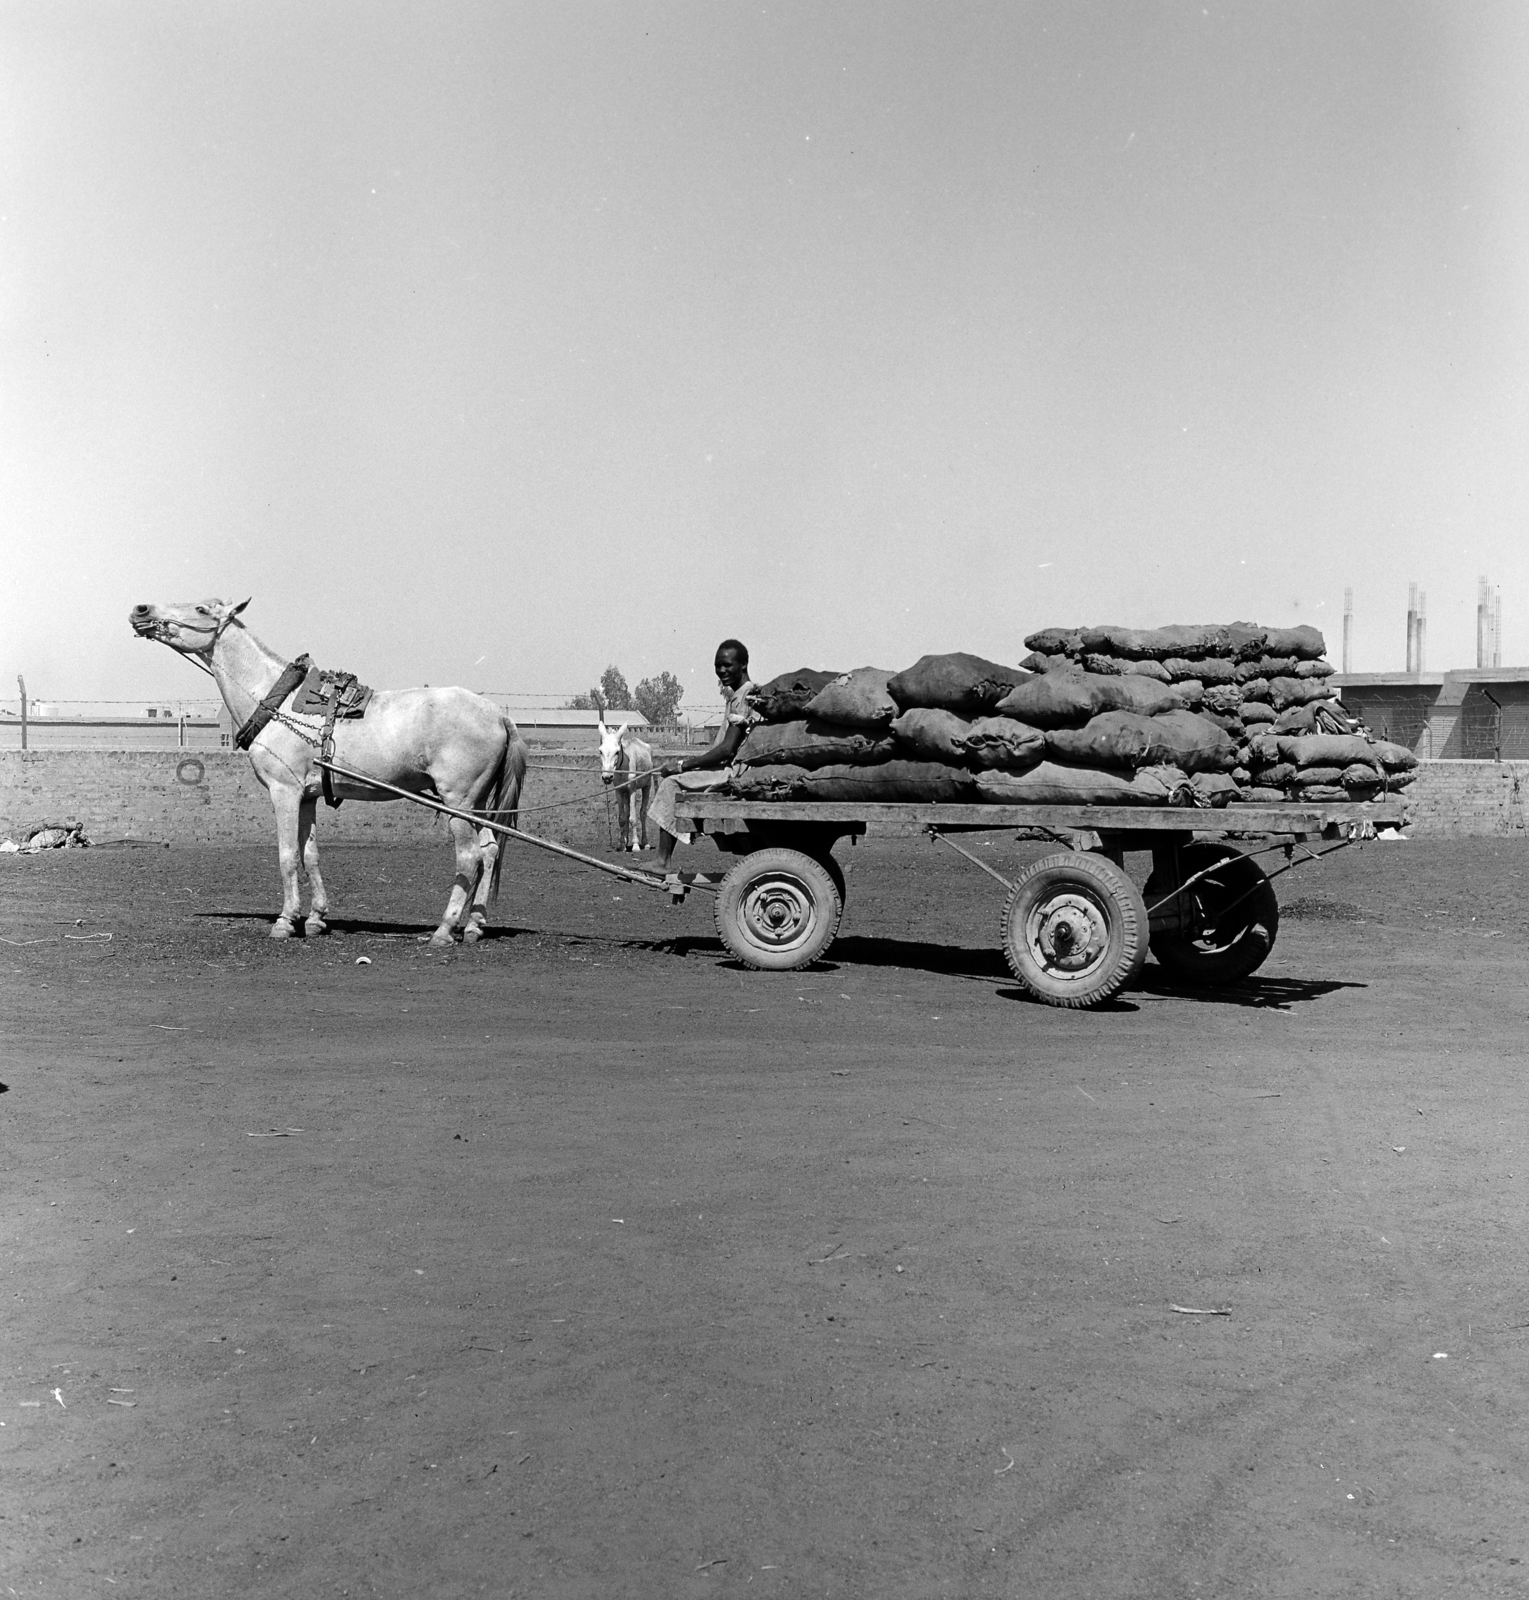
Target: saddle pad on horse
x: 331, y: 695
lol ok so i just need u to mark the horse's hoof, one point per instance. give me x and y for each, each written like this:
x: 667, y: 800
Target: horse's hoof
x: 472, y: 933
x: 281, y: 929
x: 314, y: 927
x: 441, y: 941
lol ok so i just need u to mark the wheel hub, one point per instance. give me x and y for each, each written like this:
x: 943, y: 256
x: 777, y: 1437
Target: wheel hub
x: 1068, y: 933
x: 778, y: 913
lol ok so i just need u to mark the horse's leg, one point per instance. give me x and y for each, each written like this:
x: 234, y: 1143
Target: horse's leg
x: 644, y: 795
x: 633, y: 819
x: 465, y: 837
x: 477, y: 918
x: 308, y: 847
x: 285, y: 802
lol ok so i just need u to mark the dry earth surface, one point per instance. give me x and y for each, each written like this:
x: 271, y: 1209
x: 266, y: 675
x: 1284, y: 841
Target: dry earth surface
x: 589, y: 1264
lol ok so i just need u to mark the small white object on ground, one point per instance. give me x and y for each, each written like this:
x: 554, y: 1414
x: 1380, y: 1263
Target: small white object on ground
x: 363, y: 961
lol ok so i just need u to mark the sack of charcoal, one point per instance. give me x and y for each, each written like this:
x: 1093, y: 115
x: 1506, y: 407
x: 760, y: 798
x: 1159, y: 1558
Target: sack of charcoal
x: 969, y: 686
x: 811, y: 743
x: 784, y: 699
x: 1328, y: 766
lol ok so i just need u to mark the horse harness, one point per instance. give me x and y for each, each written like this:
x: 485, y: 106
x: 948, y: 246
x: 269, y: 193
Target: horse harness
x: 317, y: 693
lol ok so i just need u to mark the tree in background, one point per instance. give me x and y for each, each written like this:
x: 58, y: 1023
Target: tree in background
x: 612, y: 695
x: 613, y: 687
x: 659, y: 699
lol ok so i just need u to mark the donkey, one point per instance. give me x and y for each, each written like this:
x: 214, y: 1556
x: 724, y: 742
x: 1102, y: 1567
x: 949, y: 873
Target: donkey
x: 447, y: 743
x: 627, y: 763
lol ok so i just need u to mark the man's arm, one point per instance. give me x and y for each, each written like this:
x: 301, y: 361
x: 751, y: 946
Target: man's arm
x: 717, y: 754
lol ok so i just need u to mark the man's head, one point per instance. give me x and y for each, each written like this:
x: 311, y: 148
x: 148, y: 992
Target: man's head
x: 732, y: 664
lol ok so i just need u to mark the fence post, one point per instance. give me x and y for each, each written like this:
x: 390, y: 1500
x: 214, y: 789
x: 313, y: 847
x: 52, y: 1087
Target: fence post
x: 21, y: 683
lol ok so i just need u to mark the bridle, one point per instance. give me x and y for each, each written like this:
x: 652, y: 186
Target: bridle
x: 159, y: 631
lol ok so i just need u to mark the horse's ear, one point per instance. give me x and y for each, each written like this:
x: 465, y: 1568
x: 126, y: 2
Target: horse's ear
x: 235, y: 610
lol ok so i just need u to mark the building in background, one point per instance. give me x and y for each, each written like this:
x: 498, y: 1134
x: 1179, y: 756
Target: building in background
x: 1479, y: 714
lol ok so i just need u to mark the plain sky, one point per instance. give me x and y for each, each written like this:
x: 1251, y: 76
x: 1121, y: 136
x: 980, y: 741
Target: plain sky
x: 490, y: 343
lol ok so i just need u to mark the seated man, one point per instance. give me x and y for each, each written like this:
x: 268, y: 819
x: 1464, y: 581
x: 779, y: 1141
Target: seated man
x: 708, y: 768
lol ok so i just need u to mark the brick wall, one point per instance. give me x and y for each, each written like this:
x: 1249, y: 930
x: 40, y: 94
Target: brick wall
x: 1458, y: 799
x: 211, y: 797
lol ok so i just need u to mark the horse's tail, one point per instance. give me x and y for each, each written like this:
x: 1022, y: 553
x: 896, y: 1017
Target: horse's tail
x: 503, y: 801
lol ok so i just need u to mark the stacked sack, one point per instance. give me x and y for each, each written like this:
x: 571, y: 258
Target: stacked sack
x: 1265, y: 688
x: 957, y: 728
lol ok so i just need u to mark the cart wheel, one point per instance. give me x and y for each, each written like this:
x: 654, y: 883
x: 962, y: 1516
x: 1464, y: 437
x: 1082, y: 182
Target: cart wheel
x: 1075, y: 929
x: 778, y: 909
x: 836, y: 872
x: 1230, y: 918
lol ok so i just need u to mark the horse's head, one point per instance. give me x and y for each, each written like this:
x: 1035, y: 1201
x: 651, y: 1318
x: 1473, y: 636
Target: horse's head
x: 191, y: 626
x: 610, y: 747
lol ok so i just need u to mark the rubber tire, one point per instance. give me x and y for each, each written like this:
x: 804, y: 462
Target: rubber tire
x: 836, y: 872
x: 796, y: 891
x: 1083, y: 884
x: 1236, y: 952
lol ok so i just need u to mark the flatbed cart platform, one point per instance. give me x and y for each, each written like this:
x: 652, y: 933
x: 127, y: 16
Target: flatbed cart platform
x: 1075, y: 928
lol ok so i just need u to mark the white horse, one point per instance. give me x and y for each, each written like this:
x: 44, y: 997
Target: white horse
x: 627, y: 762
x: 448, y: 743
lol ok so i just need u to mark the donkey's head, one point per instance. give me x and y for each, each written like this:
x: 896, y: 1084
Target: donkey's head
x: 610, y: 747
x: 190, y: 626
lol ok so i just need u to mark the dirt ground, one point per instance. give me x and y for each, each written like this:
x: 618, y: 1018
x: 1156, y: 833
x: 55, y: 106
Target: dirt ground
x: 587, y: 1263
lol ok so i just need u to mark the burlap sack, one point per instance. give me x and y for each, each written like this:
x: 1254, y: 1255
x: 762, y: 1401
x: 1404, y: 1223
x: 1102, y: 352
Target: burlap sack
x: 1003, y: 744
x: 1324, y: 749
x: 1194, y: 743
x: 1056, y: 699
x: 929, y: 782
x: 1287, y: 692
x: 782, y: 699
x: 1307, y: 776
x: 1120, y: 739
x: 1247, y: 641
x: 1259, y: 795
x: 1325, y: 791
x: 1149, y: 669
x: 1114, y: 739
x: 1223, y: 697
x: 811, y: 744
x: 1360, y: 776
x: 1056, y: 642
x: 1316, y: 716
x: 857, y: 699
x: 1275, y: 666
x: 765, y: 783
x: 1053, y: 784
x: 1255, y: 711
x: 1278, y: 776
x: 1394, y: 757
x: 1314, y: 669
x: 1214, y: 789
x: 929, y: 735
x: 968, y: 685
x: 1303, y: 642
x: 1134, y: 692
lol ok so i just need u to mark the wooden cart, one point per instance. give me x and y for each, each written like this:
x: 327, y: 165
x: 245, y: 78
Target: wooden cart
x: 1075, y: 928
